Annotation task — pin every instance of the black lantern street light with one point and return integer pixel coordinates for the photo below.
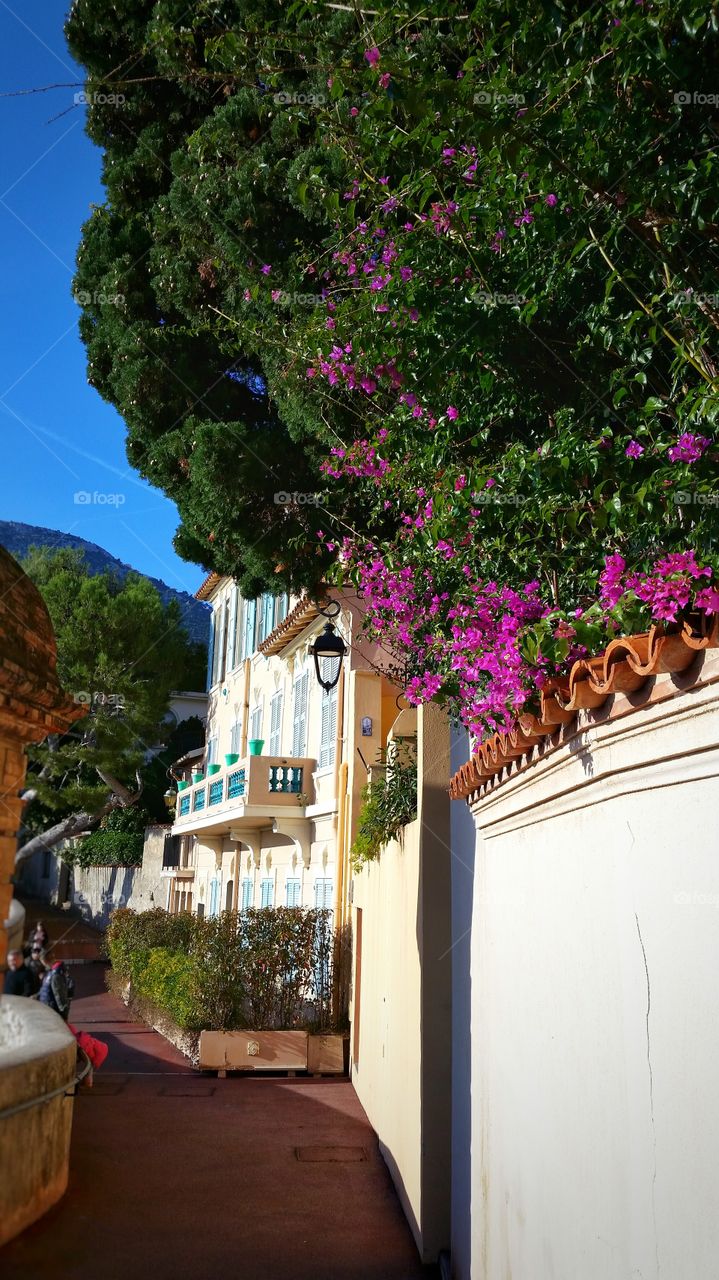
(328, 648)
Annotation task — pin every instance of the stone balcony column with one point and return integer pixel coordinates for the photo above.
(32, 704)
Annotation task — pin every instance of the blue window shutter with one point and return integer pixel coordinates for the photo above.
(275, 724)
(211, 650)
(299, 725)
(232, 631)
(293, 893)
(248, 646)
(323, 894)
(246, 894)
(266, 889)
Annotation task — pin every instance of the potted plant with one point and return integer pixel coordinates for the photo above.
(256, 745)
(197, 775)
(183, 784)
(231, 758)
(212, 769)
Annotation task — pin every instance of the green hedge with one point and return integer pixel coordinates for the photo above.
(268, 969)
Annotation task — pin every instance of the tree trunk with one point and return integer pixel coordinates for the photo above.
(76, 824)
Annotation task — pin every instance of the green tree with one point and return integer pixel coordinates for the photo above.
(121, 652)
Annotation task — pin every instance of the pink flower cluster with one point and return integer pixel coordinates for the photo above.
(667, 589)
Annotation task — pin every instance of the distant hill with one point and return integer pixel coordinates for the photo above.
(18, 538)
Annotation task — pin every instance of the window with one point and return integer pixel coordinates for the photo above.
(212, 745)
(329, 726)
(293, 893)
(281, 603)
(214, 908)
(218, 672)
(268, 615)
(238, 653)
(211, 650)
(236, 737)
(231, 662)
(299, 722)
(275, 724)
(246, 893)
(256, 723)
(267, 892)
(248, 634)
(323, 894)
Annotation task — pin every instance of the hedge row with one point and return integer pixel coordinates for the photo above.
(268, 969)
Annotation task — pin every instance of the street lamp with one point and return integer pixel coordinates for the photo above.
(170, 798)
(328, 648)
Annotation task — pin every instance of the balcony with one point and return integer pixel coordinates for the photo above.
(252, 792)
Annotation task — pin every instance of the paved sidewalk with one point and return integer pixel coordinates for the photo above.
(179, 1176)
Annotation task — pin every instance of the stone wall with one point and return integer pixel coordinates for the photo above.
(98, 891)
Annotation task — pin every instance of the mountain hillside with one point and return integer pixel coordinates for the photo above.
(17, 538)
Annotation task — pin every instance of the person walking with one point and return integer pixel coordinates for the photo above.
(18, 980)
(39, 934)
(56, 990)
(37, 966)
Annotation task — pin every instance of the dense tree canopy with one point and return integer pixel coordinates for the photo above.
(470, 253)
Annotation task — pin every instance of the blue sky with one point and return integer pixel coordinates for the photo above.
(59, 437)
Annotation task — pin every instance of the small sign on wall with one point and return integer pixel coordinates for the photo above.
(366, 726)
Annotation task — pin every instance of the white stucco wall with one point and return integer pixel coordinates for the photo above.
(595, 1037)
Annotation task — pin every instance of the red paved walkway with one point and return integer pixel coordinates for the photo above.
(185, 1177)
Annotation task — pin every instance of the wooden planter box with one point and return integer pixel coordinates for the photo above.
(271, 1051)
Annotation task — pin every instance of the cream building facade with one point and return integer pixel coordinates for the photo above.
(274, 828)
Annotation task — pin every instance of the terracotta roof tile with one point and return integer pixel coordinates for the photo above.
(211, 581)
(624, 668)
(304, 612)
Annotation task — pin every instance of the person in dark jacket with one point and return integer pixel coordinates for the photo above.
(56, 990)
(37, 966)
(18, 980)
